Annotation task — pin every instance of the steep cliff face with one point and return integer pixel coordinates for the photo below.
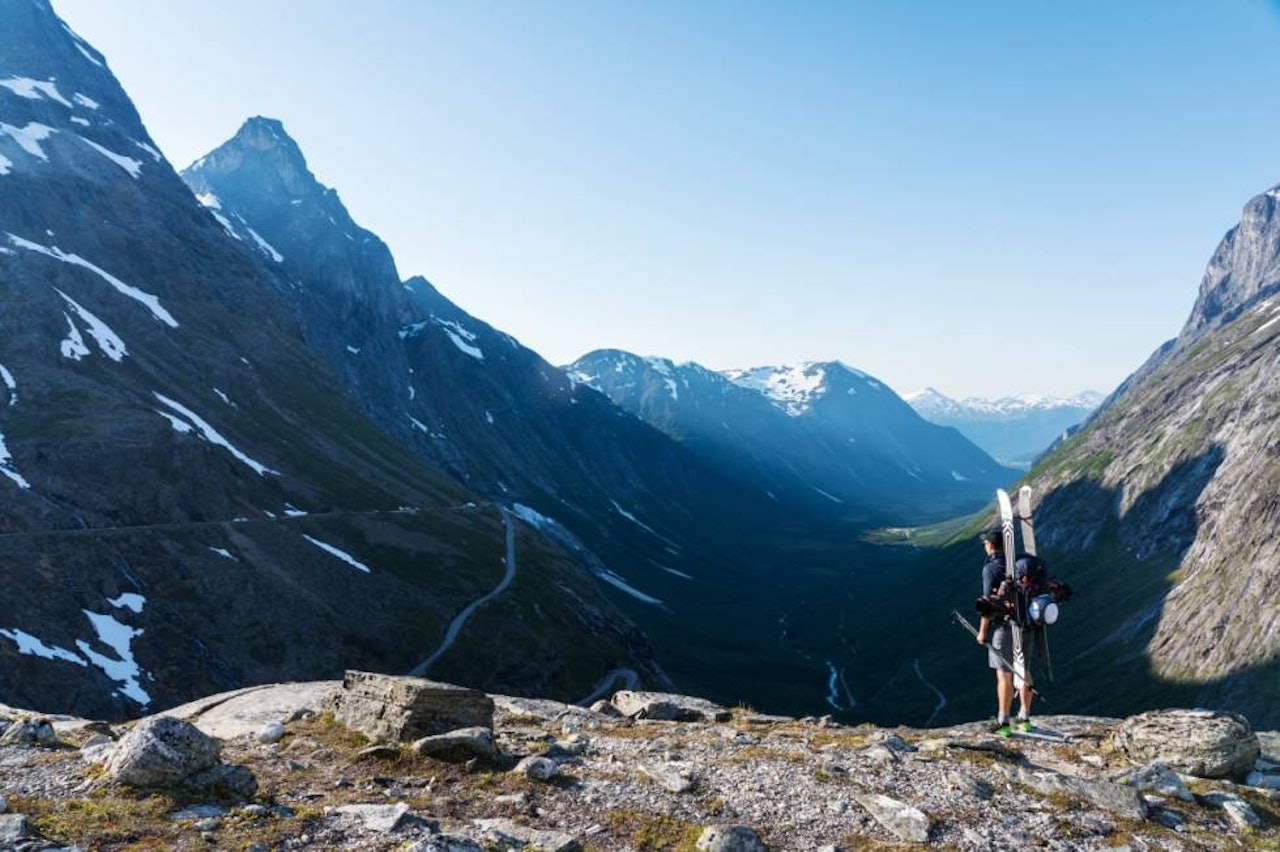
(1244, 269)
(1174, 484)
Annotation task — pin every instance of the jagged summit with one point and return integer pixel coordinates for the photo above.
(259, 188)
(263, 149)
(1244, 270)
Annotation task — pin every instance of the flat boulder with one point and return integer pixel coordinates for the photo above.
(390, 708)
(908, 823)
(462, 744)
(664, 706)
(161, 751)
(730, 838)
(1203, 743)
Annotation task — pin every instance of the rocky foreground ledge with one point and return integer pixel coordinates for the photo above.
(377, 762)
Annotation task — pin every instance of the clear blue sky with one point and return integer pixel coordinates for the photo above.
(743, 183)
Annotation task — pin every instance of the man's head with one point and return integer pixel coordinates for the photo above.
(993, 541)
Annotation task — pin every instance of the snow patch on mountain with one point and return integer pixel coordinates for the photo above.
(461, 337)
(108, 341)
(28, 139)
(630, 517)
(35, 90)
(130, 165)
(267, 248)
(340, 554)
(124, 670)
(128, 600)
(622, 585)
(663, 367)
(10, 383)
(144, 298)
(212, 435)
(31, 646)
(6, 466)
(792, 388)
(72, 346)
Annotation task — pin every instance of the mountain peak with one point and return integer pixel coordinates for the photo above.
(263, 149)
(266, 134)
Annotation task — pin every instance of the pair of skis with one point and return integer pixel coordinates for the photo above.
(1010, 557)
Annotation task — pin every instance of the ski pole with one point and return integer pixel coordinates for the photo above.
(973, 631)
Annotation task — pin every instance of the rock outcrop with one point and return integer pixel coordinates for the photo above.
(662, 706)
(1203, 743)
(401, 709)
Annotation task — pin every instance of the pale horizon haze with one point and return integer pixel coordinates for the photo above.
(988, 198)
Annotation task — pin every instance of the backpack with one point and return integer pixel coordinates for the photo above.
(1038, 593)
(1031, 575)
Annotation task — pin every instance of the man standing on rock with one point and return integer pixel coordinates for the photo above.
(1000, 652)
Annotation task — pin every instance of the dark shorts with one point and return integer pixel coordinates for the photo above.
(1000, 647)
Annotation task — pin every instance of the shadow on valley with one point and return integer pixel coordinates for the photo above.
(825, 622)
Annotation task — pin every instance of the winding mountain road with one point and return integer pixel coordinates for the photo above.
(630, 677)
(460, 619)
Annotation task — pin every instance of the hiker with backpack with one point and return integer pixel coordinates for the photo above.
(995, 630)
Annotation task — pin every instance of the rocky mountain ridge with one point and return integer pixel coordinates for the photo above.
(1171, 486)
(317, 765)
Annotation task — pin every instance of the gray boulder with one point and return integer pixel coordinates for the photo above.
(462, 744)
(965, 783)
(34, 731)
(1204, 743)
(730, 838)
(1263, 780)
(271, 732)
(161, 751)
(383, 819)
(669, 778)
(906, 822)
(1107, 795)
(1241, 814)
(13, 827)
(509, 833)
(537, 768)
(401, 709)
(1156, 778)
(667, 707)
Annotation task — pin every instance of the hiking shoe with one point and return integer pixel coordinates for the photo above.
(1001, 729)
(1024, 725)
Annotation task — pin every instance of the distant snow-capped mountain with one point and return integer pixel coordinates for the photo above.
(794, 388)
(1013, 429)
(818, 432)
(930, 403)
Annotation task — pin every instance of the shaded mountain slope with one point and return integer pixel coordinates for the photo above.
(189, 500)
(820, 434)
